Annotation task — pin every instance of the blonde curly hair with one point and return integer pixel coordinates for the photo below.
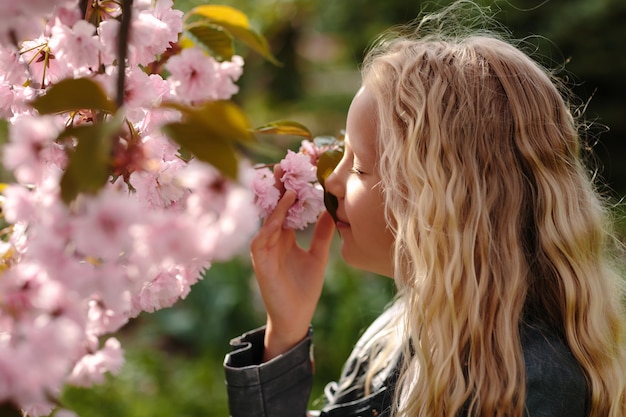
(496, 221)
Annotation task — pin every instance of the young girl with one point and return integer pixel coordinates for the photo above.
(463, 180)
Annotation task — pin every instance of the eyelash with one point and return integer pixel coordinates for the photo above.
(356, 171)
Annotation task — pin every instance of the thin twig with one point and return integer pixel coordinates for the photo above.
(83, 7)
(122, 50)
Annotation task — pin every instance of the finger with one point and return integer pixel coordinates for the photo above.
(271, 229)
(278, 174)
(277, 217)
(322, 236)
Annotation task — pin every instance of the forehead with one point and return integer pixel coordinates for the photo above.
(361, 125)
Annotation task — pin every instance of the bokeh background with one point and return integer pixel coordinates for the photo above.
(174, 356)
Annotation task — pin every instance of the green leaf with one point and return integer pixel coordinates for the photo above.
(331, 203)
(235, 22)
(88, 168)
(4, 131)
(212, 133)
(284, 127)
(325, 166)
(196, 138)
(74, 94)
(212, 37)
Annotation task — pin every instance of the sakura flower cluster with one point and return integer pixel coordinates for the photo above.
(298, 173)
(70, 275)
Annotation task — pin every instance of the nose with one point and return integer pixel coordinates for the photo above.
(333, 183)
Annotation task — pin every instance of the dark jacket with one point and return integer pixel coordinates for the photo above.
(555, 384)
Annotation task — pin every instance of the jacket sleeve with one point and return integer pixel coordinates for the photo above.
(277, 388)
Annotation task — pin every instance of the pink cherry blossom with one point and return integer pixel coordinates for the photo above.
(77, 46)
(139, 89)
(236, 225)
(6, 100)
(67, 14)
(162, 291)
(39, 409)
(157, 187)
(167, 240)
(298, 175)
(298, 170)
(307, 208)
(111, 285)
(197, 77)
(154, 30)
(318, 146)
(77, 272)
(140, 93)
(92, 367)
(62, 412)
(22, 96)
(266, 193)
(29, 139)
(43, 358)
(12, 67)
(149, 36)
(193, 75)
(25, 19)
(229, 71)
(45, 67)
(158, 147)
(18, 204)
(164, 11)
(107, 32)
(101, 230)
(102, 320)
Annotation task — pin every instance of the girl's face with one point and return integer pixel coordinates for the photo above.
(366, 240)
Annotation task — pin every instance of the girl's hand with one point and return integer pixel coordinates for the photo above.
(290, 277)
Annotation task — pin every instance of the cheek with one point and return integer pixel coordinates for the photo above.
(365, 210)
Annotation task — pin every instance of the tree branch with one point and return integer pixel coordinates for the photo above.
(122, 49)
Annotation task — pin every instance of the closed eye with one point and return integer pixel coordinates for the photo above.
(355, 170)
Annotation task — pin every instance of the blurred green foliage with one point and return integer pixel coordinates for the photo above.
(174, 356)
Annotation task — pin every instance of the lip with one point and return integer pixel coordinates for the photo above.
(341, 224)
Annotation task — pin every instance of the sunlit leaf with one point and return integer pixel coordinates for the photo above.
(212, 37)
(195, 137)
(237, 24)
(212, 133)
(88, 168)
(73, 94)
(222, 14)
(222, 120)
(186, 42)
(284, 127)
(325, 166)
